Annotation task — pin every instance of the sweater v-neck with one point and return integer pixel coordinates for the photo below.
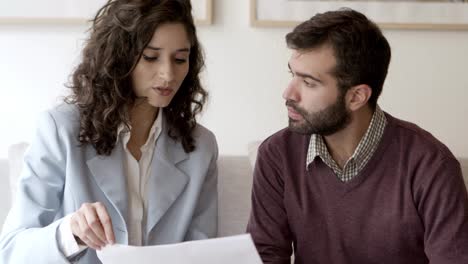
(332, 180)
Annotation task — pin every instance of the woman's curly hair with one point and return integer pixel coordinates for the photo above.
(101, 84)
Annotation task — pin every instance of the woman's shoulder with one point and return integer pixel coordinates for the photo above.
(204, 138)
(64, 110)
(65, 117)
(202, 133)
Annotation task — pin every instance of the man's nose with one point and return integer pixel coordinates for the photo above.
(291, 92)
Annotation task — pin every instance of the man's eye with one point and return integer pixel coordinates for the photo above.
(149, 58)
(309, 84)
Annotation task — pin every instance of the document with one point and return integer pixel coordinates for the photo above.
(225, 250)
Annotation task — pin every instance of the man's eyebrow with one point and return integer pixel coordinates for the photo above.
(305, 75)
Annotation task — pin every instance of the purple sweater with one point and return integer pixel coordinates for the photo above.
(408, 205)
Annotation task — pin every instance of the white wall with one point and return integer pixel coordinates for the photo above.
(35, 62)
(246, 73)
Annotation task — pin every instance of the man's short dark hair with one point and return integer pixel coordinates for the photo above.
(362, 52)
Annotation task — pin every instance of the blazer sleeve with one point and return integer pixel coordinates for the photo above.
(29, 232)
(205, 220)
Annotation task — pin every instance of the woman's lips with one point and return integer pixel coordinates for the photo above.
(163, 91)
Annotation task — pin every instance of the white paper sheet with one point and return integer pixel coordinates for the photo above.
(226, 250)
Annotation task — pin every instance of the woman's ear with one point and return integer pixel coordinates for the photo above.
(358, 96)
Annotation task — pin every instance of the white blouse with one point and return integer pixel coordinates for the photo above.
(137, 175)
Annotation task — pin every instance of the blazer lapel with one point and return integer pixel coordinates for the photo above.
(108, 171)
(166, 181)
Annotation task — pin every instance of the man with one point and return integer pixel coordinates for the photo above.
(346, 182)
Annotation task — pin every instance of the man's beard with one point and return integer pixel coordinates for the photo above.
(325, 122)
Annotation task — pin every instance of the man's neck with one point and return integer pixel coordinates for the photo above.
(342, 144)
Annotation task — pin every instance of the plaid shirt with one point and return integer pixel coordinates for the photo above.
(361, 155)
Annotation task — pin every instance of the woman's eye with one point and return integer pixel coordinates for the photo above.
(290, 72)
(149, 58)
(180, 61)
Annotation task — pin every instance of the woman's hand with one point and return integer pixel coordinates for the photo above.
(92, 225)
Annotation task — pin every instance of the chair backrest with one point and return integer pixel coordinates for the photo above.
(5, 202)
(234, 185)
(15, 164)
(464, 167)
(234, 188)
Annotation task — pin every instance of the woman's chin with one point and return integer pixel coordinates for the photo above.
(159, 103)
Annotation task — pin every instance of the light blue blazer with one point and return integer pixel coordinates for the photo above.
(59, 176)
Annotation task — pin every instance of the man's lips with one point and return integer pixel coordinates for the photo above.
(293, 114)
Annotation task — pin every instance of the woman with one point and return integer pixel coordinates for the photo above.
(123, 161)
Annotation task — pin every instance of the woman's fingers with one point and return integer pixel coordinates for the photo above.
(92, 224)
(84, 232)
(95, 224)
(106, 222)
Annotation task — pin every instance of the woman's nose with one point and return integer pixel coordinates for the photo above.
(166, 72)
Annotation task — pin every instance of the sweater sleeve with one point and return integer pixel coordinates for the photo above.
(442, 203)
(268, 223)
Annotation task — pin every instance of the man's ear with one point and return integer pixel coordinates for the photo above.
(358, 96)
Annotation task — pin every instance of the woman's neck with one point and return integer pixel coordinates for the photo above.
(142, 116)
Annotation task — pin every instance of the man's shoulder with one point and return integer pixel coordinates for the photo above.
(417, 139)
(284, 142)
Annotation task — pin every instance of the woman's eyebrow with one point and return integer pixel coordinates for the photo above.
(157, 48)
